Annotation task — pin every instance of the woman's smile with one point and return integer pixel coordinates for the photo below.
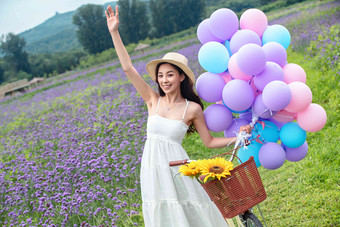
(166, 86)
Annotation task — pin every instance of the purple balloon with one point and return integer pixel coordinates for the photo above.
(209, 87)
(260, 110)
(204, 34)
(218, 117)
(272, 71)
(223, 23)
(275, 52)
(296, 154)
(238, 95)
(251, 59)
(235, 127)
(276, 95)
(272, 155)
(246, 116)
(243, 37)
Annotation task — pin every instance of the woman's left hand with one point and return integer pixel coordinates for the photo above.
(112, 19)
(246, 128)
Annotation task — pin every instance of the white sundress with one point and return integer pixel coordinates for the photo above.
(170, 201)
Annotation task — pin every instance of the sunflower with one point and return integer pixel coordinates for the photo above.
(216, 168)
(191, 169)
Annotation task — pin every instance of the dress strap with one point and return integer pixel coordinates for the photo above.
(185, 111)
(158, 105)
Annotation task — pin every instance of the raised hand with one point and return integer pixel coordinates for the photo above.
(112, 19)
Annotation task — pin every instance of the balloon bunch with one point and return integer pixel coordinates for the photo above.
(249, 81)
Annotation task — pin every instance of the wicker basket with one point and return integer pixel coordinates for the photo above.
(239, 192)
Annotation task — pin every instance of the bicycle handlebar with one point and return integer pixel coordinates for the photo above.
(178, 162)
(242, 138)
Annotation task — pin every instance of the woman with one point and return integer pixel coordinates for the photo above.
(176, 110)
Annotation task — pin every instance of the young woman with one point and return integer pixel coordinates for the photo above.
(174, 111)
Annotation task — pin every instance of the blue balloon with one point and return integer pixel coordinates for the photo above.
(292, 135)
(269, 133)
(276, 33)
(251, 150)
(214, 57)
(227, 45)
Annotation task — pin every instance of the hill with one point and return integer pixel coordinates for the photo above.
(56, 34)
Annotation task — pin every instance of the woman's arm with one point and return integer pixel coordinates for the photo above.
(142, 87)
(207, 138)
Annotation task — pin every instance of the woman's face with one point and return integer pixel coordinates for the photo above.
(169, 78)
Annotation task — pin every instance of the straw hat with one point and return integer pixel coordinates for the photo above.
(174, 58)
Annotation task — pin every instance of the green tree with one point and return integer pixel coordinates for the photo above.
(170, 16)
(2, 75)
(58, 62)
(162, 20)
(92, 30)
(134, 22)
(15, 57)
(188, 13)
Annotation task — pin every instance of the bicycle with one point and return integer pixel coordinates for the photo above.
(236, 195)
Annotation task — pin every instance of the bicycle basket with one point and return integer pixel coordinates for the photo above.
(239, 192)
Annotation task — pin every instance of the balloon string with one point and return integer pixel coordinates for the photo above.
(270, 111)
(242, 140)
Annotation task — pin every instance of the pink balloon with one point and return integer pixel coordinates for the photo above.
(284, 116)
(277, 123)
(255, 89)
(301, 97)
(313, 118)
(226, 76)
(254, 19)
(223, 23)
(235, 71)
(293, 72)
(204, 34)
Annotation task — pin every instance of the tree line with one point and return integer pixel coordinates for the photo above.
(138, 20)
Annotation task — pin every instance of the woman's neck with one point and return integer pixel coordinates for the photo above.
(173, 98)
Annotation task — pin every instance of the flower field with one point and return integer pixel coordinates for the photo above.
(70, 150)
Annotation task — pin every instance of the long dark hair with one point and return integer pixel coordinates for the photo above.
(187, 90)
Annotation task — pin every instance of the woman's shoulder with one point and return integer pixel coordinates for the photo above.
(194, 109)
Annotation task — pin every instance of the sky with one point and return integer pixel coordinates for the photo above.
(17, 16)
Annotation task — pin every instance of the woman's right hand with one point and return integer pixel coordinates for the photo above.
(112, 19)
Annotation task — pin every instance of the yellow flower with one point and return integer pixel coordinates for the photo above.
(216, 168)
(192, 169)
